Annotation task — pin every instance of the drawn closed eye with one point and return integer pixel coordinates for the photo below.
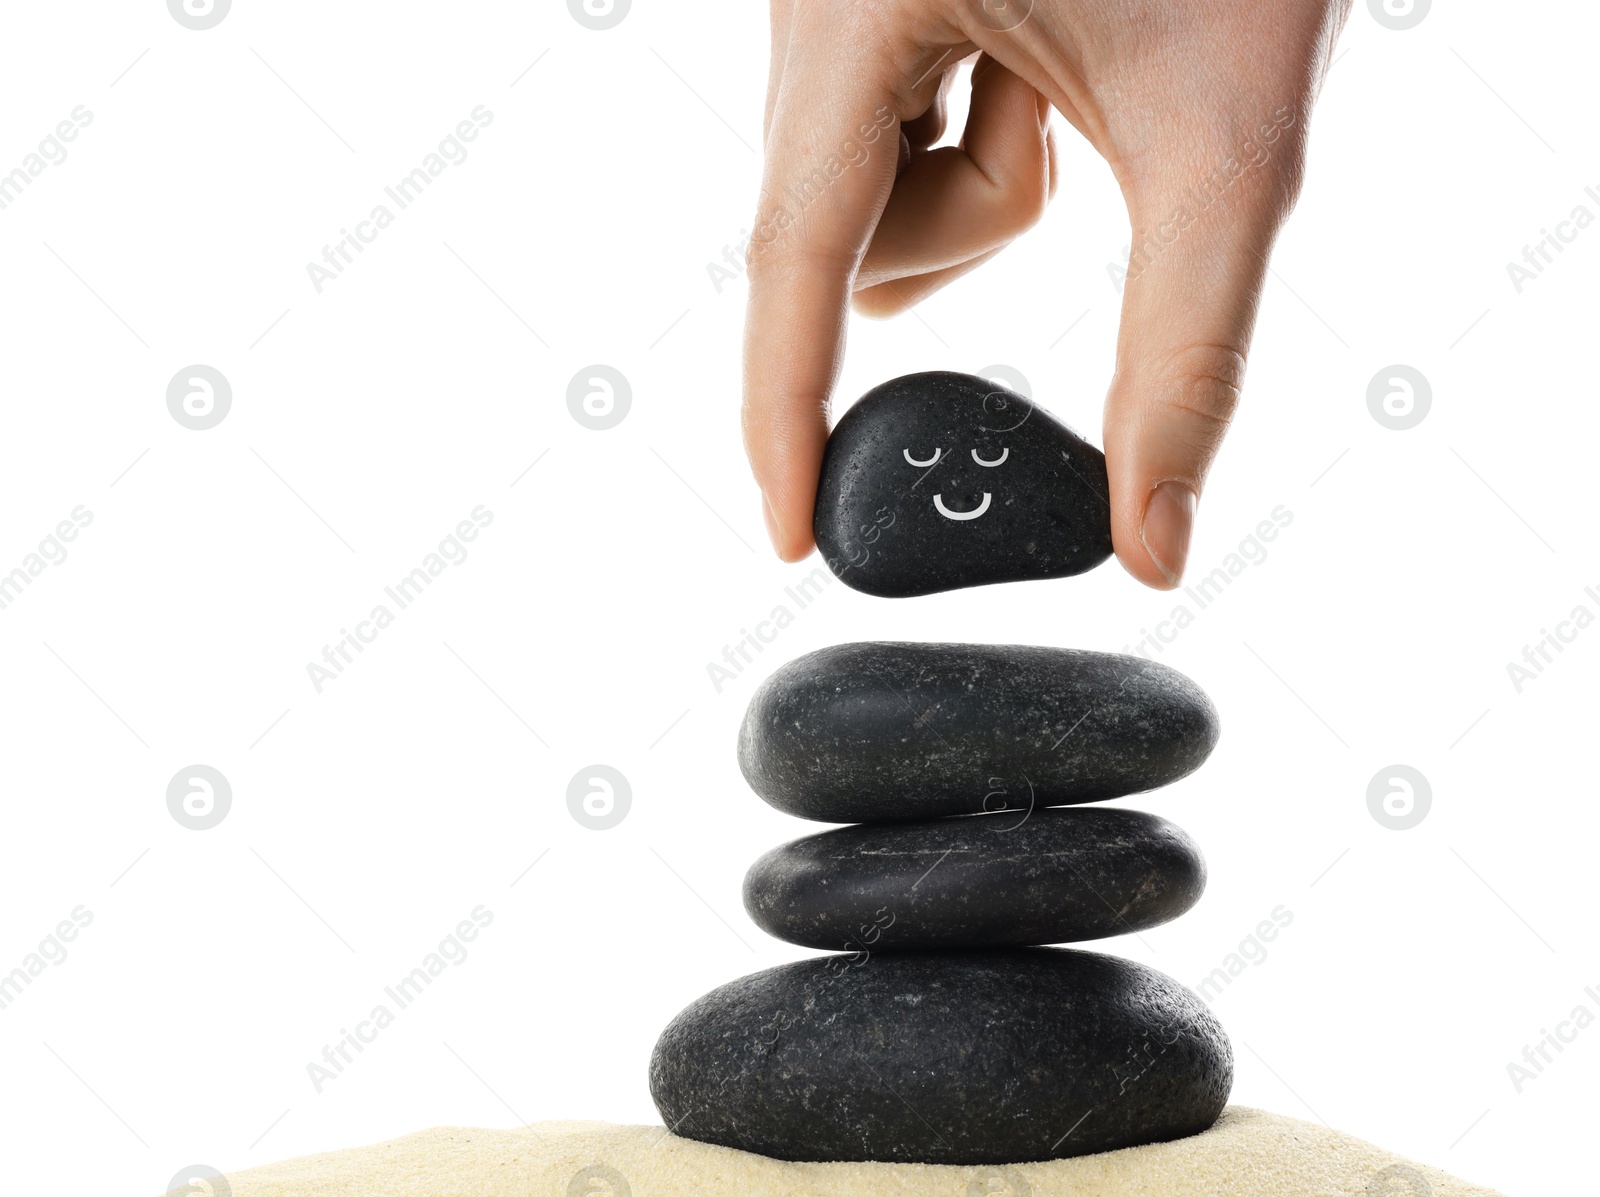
(1001, 460)
(937, 453)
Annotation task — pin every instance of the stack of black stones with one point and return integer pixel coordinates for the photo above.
(942, 1030)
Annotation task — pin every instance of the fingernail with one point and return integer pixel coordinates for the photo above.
(1168, 520)
(774, 529)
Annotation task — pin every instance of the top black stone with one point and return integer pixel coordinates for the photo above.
(881, 732)
(940, 480)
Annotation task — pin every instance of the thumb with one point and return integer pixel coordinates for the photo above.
(1194, 281)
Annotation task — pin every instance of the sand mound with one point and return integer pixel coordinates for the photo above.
(1248, 1153)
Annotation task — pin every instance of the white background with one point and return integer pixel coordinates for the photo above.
(369, 419)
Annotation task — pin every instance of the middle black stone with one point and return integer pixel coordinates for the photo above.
(1052, 876)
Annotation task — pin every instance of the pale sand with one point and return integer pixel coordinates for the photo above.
(1248, 1153)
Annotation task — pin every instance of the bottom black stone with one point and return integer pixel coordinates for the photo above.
(974, 1057)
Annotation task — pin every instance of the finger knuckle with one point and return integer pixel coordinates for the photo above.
(1283, 183)
(878, 303)
(1276, 169)
(1023, 200)
(787, 255)
(1206, 382)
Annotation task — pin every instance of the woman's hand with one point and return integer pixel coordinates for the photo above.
(1201, 107)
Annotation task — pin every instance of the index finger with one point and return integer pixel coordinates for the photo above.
(830, 164)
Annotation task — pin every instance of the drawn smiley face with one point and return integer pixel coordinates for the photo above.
(939, 480)
(951, 513)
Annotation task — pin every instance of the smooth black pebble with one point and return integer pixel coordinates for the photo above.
(985, 1057)
(940, 480)
(876, 732)
(1048, 876)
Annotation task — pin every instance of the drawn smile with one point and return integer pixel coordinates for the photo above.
(938, 502)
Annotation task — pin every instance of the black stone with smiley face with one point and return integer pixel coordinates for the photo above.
(940, 480)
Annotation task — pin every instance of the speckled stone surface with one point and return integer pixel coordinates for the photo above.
(1058, 875)
(940, 480)
(873, 732)
(984, 1057)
